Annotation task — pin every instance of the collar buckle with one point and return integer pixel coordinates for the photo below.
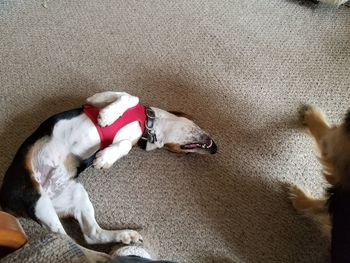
(149, 134)
(150, 113)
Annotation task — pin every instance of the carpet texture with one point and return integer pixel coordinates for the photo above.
(241, 68)
(48, 248)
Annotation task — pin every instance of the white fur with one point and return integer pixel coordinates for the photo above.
(47, 215)
(53, 161)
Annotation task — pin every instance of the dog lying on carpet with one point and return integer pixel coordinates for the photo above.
(40, 182)
(332, 211)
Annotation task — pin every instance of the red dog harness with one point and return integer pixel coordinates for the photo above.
(107, 134)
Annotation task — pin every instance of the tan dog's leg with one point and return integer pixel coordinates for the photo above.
(311, 207)
(315, 120)
(318, 127)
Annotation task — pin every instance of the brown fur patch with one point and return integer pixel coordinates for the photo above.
(64, 215)
(181, 114)
(173, 147)
(71, 164)
(29, 167)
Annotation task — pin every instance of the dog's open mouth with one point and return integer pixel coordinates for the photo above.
(191, 146)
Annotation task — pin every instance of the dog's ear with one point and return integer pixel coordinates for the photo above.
(181, 114)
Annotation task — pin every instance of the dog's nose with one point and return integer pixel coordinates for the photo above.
(210, 145)
(213, 148)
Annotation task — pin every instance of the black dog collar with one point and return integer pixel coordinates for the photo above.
(149, 134)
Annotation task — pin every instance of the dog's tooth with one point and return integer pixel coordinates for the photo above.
(211, 143)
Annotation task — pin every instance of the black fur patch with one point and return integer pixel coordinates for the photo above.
(83, 164)
(339, 208)
(347, 122)
(18, 194)
(142, 143)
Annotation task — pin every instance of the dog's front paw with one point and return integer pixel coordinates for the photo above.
(129, 236)
(107, 116)
(304, 110)
(103, 160)
(310, 115)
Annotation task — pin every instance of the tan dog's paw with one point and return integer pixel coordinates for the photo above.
(311, 116)
(305, 112)
(298, 197)
(302, 112)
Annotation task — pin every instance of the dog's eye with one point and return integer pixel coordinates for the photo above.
(181, 114)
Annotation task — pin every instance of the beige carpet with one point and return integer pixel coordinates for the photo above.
(241, 68)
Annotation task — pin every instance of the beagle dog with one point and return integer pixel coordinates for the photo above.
(41, 180)
(332, 211)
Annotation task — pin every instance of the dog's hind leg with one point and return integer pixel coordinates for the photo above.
(316, 209)
(74, 201)
(102, 99)
(112, 105)
(46, 214)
